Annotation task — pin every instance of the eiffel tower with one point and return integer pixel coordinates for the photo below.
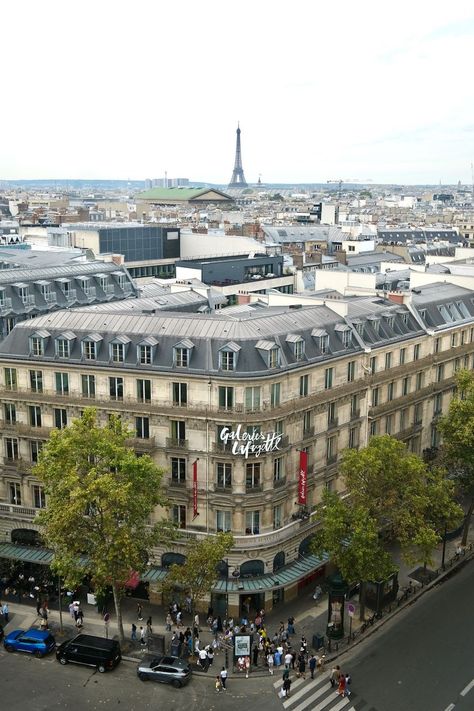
(238, 178)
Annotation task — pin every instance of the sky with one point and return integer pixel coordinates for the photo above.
(366, 91)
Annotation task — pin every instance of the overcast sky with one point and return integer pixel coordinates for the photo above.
(353, 90)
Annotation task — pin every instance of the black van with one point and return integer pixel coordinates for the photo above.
(96, 652)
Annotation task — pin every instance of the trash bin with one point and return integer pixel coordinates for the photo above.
(318, 641)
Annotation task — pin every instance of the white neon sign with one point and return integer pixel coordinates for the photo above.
(252, 443)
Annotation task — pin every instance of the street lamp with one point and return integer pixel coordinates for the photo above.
(226, 608)
(444, 545)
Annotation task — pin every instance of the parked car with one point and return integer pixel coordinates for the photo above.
(167, 670)
(33, 641)
(103, 654)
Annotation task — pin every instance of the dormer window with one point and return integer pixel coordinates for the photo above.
(182, 353)
(118, 349)
(405, 317)
(120, 278)
(297, 345)
(359, 327)
(228, 356)
(146, 350)
(63, 344)
(375, 323)
(38, 342)
(90, 346)
(274, 358)
(24, 293)
(345, 334)
(270, 353)
(390, 319)
(322, 339)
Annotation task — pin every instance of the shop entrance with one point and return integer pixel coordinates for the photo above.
(251, 604)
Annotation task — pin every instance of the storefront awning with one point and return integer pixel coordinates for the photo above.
(28, 554)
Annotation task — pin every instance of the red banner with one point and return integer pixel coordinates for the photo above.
(303, 478)
(195, 489)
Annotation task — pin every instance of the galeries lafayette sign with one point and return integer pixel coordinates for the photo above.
(250, 444)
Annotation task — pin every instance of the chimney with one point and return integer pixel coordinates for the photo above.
(243, 297)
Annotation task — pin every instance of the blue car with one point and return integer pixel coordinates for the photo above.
(32, 641)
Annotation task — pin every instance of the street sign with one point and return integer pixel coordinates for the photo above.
(351, 609)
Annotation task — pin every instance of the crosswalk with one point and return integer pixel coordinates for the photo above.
(314, 694)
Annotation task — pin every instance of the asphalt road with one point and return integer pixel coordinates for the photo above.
(423, 659)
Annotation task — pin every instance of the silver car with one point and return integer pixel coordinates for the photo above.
(167, 670)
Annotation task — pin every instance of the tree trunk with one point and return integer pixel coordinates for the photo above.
(118, 612)
(362, 590)
(467, 523)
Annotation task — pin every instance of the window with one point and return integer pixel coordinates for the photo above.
(88, 385)
(419, 381)
(328, 378)
(39, 498)
(304, 385)
(178, 513)
(35, 449)
(252, 398)
(351, 366)
(277, 516)
(374, 428)
(346, 339)
(403, 352)
(62, 348)
(145, 354)
(457, 364)
(279, 427)
(416, 351)
(9, 410)
(226, 397)
(10, 378)
(463, 337)
(36, 381)
(224, 475)
(355, 406)
(375, 397)
(178, 470)
(227, 360)
(181, 357)
(89, 350)
(440, 373)
(389, 424)
(403, 419)
(275, 391)
(437, 345)
(388, 360)
(332, 419)
(35, 415)
(435, 437)
(117, 352)
(353, 437)
(252, 475)
(223, 521)
(143, 390)
(274, 358)
(142, 427)
(324, 344)
(299, 350)
(418, 418)
(438, 404)
(37, 346)
(373, 364)
(180, 394)
(307, 424)
(15, 493)
(178, 430)
(62, 383)
(454, 340)
(390, 391)
(331, 449)
(278, 474)
(11, 448)
(252, 522)
(116, 388)
(60, 418)
(406, 386)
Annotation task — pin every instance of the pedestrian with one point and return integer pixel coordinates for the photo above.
(202, 659)
(149, 628)
(218, 684)
(255, 655)
(179, 619)
(287, 686)
(223, 675)
(277, 658)
(341, 689)
(38, 605)
(134, 633)
(210, 656)
(139, 612)
(196, 621)
(168, 622)
(334, 675)
(312, 665)
(302, 666)
(142, 636)
(291, 625)
(288, 658)
(270, 662)
(347, 682)
(286, 673)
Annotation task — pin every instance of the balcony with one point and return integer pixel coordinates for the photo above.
(142, 444)
(16, 463)
(173, 443)
(308, 432)
(279, 483)
(332, 424)
(28, 300)
(90, 293)
(70, 295)
(254, 489)
(331, 459)
(180, 482)
(23, 513)
(355, 414)
(50, 297)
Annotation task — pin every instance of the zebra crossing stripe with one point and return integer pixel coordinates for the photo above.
(302, 692)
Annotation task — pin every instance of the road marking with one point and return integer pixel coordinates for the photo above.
(299, 694)
(450, 707)
(467, 688)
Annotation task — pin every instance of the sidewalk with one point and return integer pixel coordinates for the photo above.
(311, 617)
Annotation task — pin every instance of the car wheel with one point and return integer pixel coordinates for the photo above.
(176, 683)
(101, 669)
(62, 660)
(9, 648)
(38, 654)
(142, 676)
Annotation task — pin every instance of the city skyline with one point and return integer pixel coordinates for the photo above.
(321, 94)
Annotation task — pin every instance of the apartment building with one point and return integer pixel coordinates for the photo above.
(246, 413)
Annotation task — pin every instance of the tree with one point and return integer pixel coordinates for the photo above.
(457, 430)
(198, 575)
(350, 536)
(100, 496)
(406, 499)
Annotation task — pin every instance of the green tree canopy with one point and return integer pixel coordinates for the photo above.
(457, 430)
(99, 499)
(198, 575)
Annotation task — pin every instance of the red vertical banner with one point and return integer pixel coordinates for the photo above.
(303, 478)
(195, 489)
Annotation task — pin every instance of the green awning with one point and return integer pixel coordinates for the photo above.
(28, 554)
